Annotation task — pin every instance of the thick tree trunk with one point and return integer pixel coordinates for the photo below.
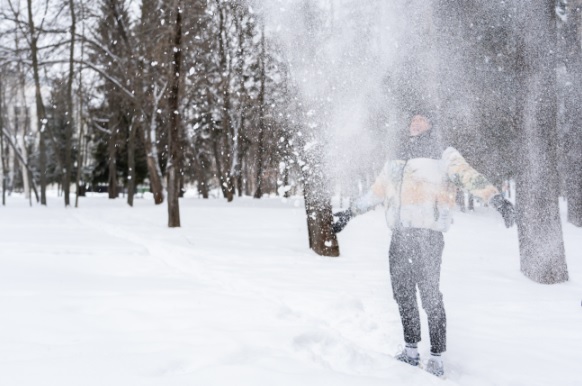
(573, 142)
(174, 137)
(318, 210)
(574, 179)
(541, 242)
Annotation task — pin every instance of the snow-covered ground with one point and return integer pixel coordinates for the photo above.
(107, 295)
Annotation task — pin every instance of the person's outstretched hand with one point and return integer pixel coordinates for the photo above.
(505, 207)
(342, 220)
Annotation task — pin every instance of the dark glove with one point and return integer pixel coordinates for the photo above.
(342, 220)
(504, 207)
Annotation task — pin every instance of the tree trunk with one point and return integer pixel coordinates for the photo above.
(40, 110)
(149, 137)
(541, 243)
(239, 146)
(287, 193)
(226, 180)
(239, 159)
(155, 179)
(174, 137)
(20, 158)
(202, 184)
(260, 143)
(26, 176)
(2, 149)
(21, 144)
(69, 128)
(219, 169)
(131, 162)
(4, 171)
(260, 155)
(79, 162)
(573, 142)
(112, 162)
(81, 122)
(318, 210)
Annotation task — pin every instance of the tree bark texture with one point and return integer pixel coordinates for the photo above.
(573, 96)
(174, 137)
(322, 239)
(541, 242)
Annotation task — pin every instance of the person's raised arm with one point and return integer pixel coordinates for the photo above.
(368, 201)
(464, 176)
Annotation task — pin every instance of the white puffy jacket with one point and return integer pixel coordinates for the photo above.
(420, 192)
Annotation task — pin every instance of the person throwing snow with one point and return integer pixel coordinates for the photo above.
(418, 190)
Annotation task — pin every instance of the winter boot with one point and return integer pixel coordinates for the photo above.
(409, 355)
(435, 365)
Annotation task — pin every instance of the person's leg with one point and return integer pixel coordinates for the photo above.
(404, 285)
(430, 294)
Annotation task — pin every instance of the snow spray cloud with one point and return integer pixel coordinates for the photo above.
(360, 68)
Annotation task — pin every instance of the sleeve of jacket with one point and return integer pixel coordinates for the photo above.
(375, 195)
(465, 177)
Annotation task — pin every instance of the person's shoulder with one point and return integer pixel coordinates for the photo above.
(450, 153)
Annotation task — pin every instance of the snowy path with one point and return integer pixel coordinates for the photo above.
(106, 295)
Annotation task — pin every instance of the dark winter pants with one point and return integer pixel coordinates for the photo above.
(415, 260)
